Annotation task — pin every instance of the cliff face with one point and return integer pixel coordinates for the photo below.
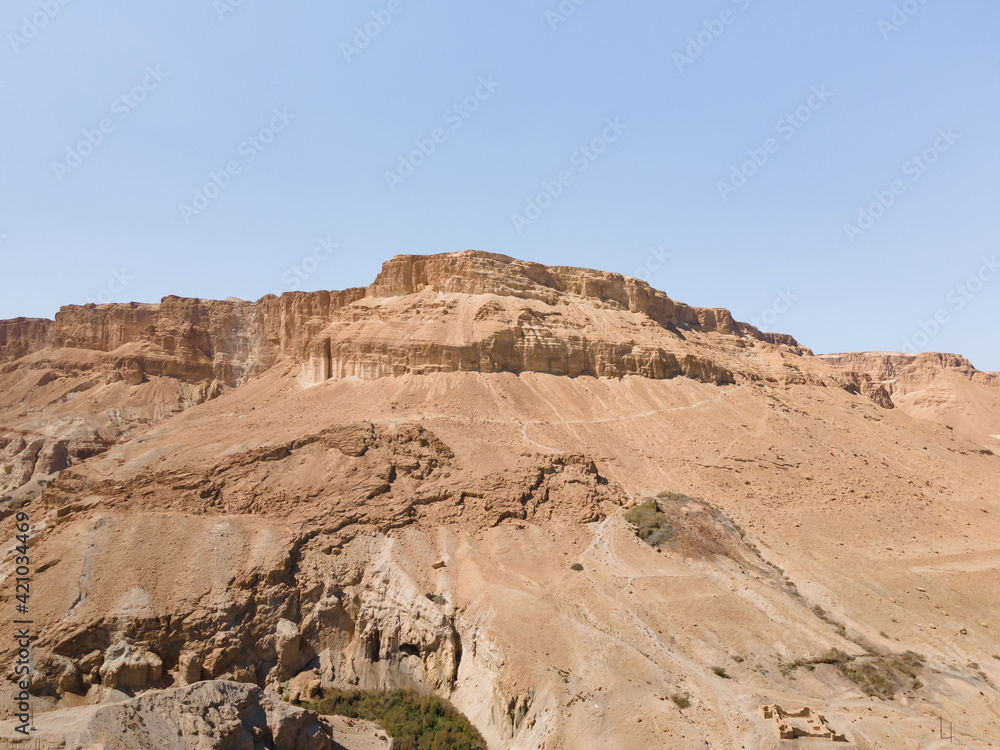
(192, 339)
(64, 381)
(903, 372)
(942, 388)
(424, 483)
(489, 273)
(21, 336)
(196, 340)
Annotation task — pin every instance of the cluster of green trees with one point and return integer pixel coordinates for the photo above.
(653, 527)
(414, 721)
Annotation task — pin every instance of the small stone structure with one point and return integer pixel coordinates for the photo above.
(793, 725)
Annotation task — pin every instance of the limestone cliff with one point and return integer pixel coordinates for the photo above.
(426, 483)
(460, 312)
(196, 340)
(942, 388)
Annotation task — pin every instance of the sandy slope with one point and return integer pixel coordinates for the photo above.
(342, 504)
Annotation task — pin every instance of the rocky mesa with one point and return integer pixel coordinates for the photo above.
(442, 481)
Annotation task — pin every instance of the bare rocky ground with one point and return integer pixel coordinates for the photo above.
(388, 486)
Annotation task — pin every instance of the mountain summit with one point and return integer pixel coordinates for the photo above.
(587, 514)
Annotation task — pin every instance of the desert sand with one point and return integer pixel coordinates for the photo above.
(388, 486)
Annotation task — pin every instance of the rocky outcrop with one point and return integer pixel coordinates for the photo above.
(402, 637)
(515, 350)
(933, 387)
(192, 340)
(905, 372)
(226, 342)
(460, 533)
(129, 666)
(22, 459)
(287, 647)
(335, 605)
(206, 716)
(197, 340)
(21, 336)
(477, 273)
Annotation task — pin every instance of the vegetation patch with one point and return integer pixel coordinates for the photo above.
(576, 566)
(822, 614)
(681, 700)
(878, 675)
(874, 679)
(651, 523)
(721, 672)
(414, 721)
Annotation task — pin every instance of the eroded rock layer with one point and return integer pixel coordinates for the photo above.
(432, 483)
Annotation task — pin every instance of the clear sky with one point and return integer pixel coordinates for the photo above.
(825, 169)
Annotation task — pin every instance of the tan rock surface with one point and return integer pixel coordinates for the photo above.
(206, 716)
(943, 388)
(498, 417)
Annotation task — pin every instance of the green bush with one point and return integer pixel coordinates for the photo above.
(576, 566)
(721, 672)
(651, 523)
(681, 700)
(414, 721)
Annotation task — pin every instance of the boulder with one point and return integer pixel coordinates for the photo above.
(189, 668)
(128, 666)
(327, 667)
(209, 715)
(305, 686)
(296, 729)
(286, 644)
(52, 457)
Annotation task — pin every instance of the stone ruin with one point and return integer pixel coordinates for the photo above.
(793, 725)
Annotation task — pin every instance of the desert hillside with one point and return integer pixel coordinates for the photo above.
(428, 482)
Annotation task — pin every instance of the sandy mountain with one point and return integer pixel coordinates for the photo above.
(389, 487)
(944, 388)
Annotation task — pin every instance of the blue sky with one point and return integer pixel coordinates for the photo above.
(824, 169)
